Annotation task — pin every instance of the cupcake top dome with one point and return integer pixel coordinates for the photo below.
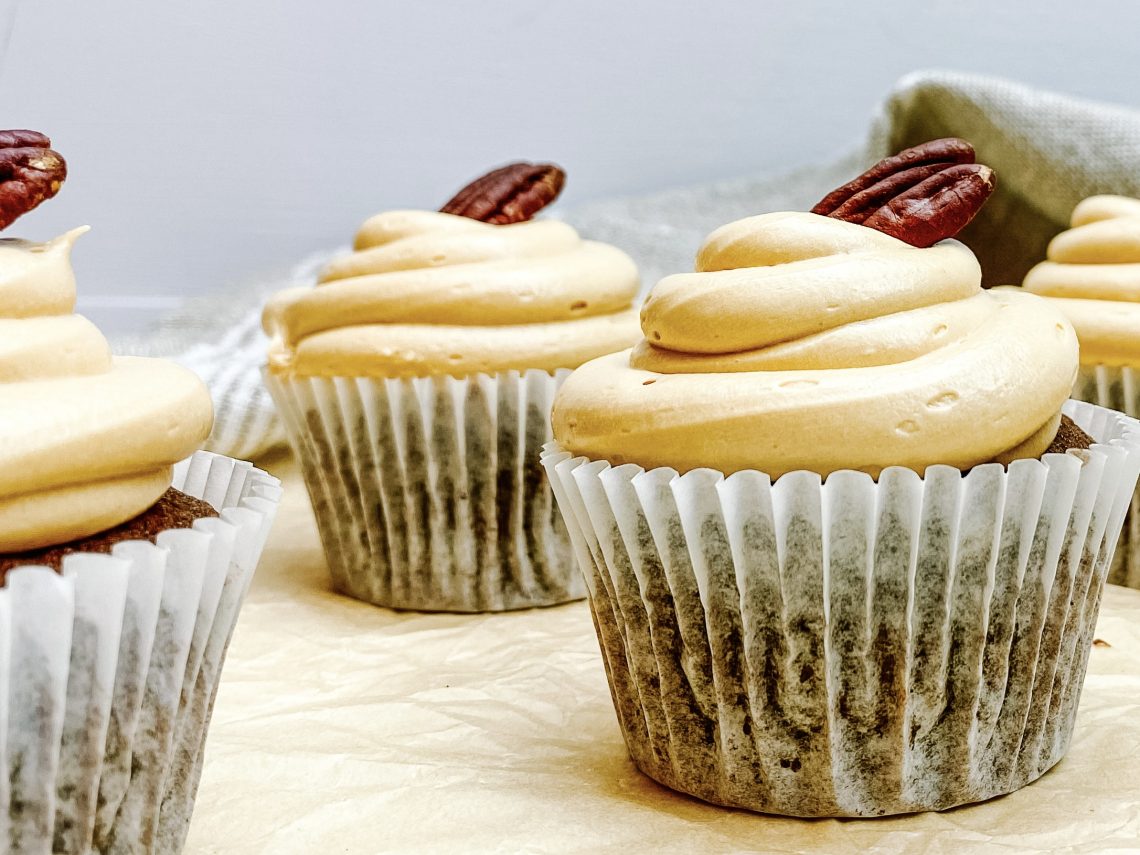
(812, 342)
(1092, 273)
(475, 290)
(87, 440)
(805, 342)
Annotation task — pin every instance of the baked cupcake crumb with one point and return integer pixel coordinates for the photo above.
(1069, 436)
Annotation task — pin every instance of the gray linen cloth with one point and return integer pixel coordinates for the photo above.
(1049, 152)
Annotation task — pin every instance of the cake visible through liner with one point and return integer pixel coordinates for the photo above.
(850, 647)
(429, 493)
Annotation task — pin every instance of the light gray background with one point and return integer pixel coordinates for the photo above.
(212, 140)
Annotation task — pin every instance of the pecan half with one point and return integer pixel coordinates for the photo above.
(921, 195)
(30, 172)
(509, 194)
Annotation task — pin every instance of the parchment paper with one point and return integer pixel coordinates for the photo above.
(344, 728)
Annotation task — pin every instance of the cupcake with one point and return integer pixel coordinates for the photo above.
(415, 382)
(124, 552)
(1093, 275)
(844, 535)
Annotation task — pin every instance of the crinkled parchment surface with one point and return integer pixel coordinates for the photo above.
(345, 728)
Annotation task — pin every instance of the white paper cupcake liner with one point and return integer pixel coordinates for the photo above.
(108, 673)
(1118, 388)
(851, 648)
(428, 492)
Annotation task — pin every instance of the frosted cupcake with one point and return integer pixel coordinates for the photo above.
(1093, 275)
(841, 558)
(415, 381)
(124, 554)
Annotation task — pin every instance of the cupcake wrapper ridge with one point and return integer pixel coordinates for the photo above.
(851, 647)
(1117, 388)
(428, 492)
(108, 673)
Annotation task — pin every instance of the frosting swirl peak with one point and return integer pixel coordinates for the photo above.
(805, 342)
(87, 440)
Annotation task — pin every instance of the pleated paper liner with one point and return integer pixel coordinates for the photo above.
(851, 648)
(429, 493)
(1117, 388)
(108, 673)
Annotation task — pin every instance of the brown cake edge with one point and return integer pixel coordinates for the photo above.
(1069, 436)
(174, 509)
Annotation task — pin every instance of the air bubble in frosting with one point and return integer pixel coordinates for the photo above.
(943, 400)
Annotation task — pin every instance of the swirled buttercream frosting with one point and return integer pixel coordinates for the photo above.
(805, 342)
(426, 293)
(87, 439)
(1092, 274)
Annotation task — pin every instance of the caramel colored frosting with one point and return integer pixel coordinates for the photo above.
(805, 342)
(1093, 276)
(426, 293)
(87, 440)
